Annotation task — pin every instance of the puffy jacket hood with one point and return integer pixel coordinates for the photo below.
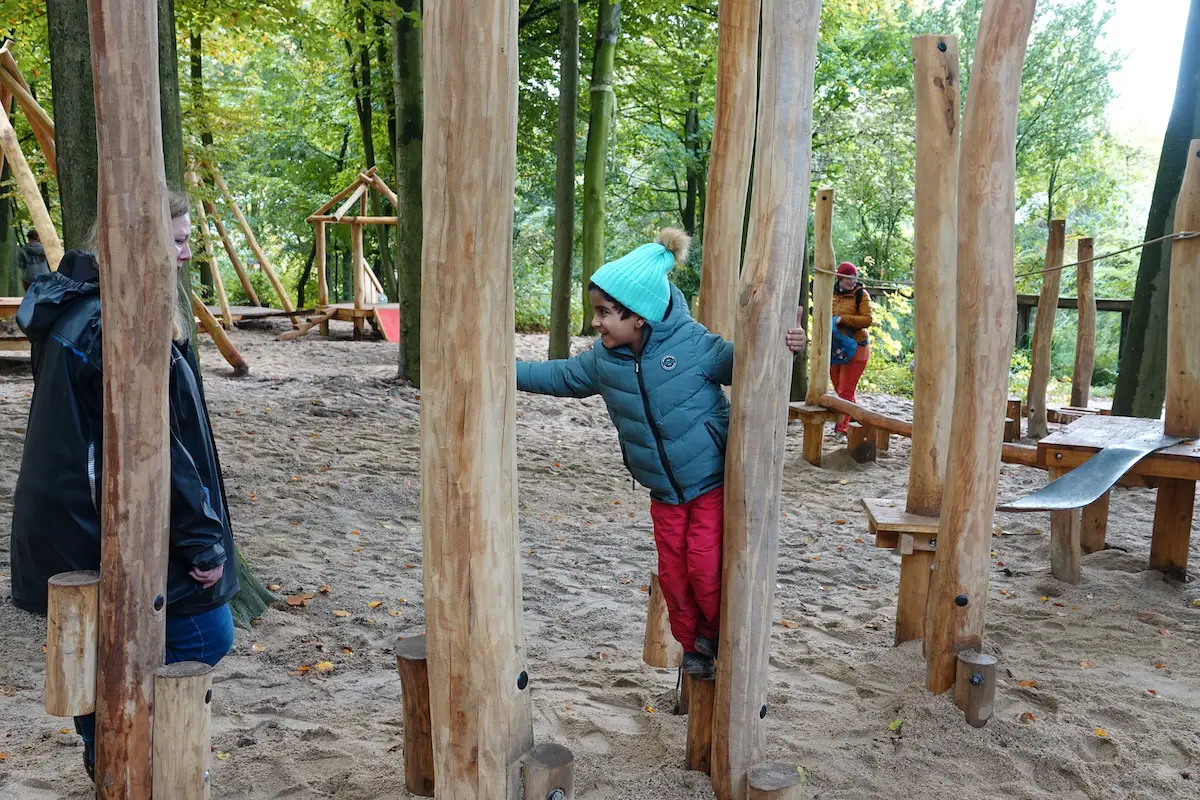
(50, 295)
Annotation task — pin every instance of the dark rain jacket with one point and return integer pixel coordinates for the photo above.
(56, 517)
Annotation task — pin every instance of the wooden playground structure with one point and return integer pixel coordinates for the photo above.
(468, 724)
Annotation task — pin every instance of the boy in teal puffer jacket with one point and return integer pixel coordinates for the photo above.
(660, 373)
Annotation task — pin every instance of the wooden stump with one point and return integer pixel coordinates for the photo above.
(182, 713)
(700, 725)
(1094, 527)
(72, 607)
(975, 686)
(986, 318)
(776, 781)
(814, 436)
(1065, 531)
(860, 441)
(1172, 526)
(1014, 412)
(549, 772)
(660, 648)
(418, 728)
(1043, 330)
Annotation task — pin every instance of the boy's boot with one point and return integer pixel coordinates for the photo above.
(699, 666)
(706, 646)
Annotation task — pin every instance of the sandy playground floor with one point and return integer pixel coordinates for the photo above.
(320, 448)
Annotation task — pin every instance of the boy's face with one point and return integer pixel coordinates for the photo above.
(614, 331)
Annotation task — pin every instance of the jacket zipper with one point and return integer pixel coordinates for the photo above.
(662, 450)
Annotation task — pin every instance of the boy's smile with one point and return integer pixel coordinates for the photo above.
(614, 330)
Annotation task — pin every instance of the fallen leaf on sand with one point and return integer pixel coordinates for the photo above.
(355, 533)
(1196, 603)
(858, 540)
(1027, 684)
(3, 756)
(1163, 631)
(816, 558)
(1044, 599)
(340, 613)
(787, 623)
(896, 725)
(650, 709)
(1087, 664)
(645, 589)
(258, 648)
(626, 581)
(839, 522)
(393, 612)
(274, 587)
(295, 477)
(303, 668)
(65, 730)
(1160, 665)
(1146, 615)
(324, 666)
(222, 756)
(1028, 717)
(300, 600)
(1152, 691)
(1101, 732)
(357, 549)
(375, 604)
(325, 590)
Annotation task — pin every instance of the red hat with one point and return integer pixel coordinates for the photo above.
(846, 268)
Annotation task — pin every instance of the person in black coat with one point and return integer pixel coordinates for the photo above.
(56, 506)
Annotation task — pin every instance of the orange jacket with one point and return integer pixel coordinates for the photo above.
(854, 308)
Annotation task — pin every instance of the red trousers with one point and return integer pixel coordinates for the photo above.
(845, 379)
(689, 564)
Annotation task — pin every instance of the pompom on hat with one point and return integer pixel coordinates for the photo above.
(638, 280)
(846, 268)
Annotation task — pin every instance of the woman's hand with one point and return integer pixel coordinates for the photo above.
(796, 337)
(207, 577)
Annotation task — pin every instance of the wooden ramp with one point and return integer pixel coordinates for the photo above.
(241, 313)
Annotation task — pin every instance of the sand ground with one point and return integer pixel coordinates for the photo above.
(320, 448)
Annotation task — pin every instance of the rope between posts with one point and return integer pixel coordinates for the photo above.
(1171, 236)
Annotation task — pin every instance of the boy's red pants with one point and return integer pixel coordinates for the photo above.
(689, 564)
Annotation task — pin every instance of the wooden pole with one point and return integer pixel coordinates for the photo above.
(821, 343)
(1065, 534)
(354, 197)
(1176, 498)
(729, 162)
(321, 320)
(659, 648)
(137, 294)
(986, 316)
(776, 782)
(320, 259)
(1043, 330)
(549, 772)
(231, 251)
(936, 82)
(72, 608)
(39, 121)
(1085, 340)
(479, 698)
(220, 338)
(263, 261)
(418, 738)
(29, 191)
(700, 725)
(975, 686)
(213, 269)
(182, 715)
(768, 298)
(356, 267)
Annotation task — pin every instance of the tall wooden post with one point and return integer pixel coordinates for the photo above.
(137, 294)
(1176, 498)
(935, 82)
(1043, 330)
(729, 162)
(770, 288)
(356, 267)
(821, 343)
(322, 271)
(986, 312)
(478, 684)
(1085, 339)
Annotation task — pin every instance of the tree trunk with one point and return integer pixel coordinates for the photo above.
(9, 282)
(406, 81)
(691, 143)
(564, 181)
(74, 117)
(608, 28)
(172, 136)
(196, 75)
(1141, 383)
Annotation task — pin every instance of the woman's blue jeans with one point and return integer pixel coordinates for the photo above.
(203, 637)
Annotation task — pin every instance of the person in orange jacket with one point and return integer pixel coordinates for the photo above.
(852, 316)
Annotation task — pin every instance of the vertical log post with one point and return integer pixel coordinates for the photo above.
(322, 271)
(776, 782)
(418, 736)
(975, 686)
(137, 294)
(182, 715)
(935, 81)
(251, 240)
(27, 183)
(820, 344)
(234, 259)
(356, 267)
(1065, 531)
(1094, 525)
(767, 301)
(549, 773)
(1085, 339)
(659, 648)
(1043, 330)
(700, 724)
(729, 162)
(72, 607)
(478, 684)
(1176, 498)
(986, 314)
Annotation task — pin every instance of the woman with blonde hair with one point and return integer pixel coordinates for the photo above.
(56, 505)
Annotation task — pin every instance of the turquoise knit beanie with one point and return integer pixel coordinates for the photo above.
(638, 280)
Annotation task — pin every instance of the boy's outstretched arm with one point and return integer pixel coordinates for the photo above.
(721, 352)
(573, 377)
